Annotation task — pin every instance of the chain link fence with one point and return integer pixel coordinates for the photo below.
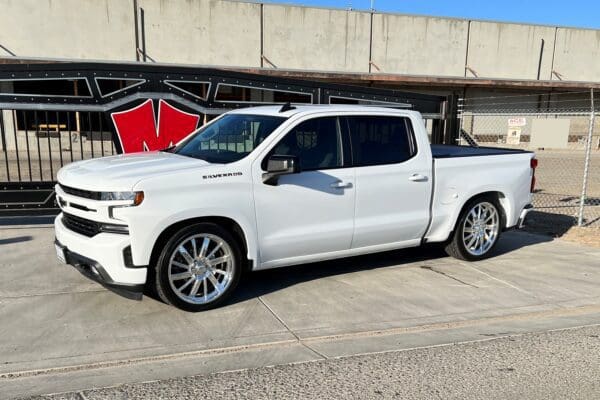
(564, 132)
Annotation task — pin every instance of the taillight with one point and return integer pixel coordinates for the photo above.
(533, 164)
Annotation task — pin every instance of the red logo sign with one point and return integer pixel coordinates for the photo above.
(138, 130)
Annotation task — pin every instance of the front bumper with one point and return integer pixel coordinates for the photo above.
(96, 272)
(526, 210)
(100, 257)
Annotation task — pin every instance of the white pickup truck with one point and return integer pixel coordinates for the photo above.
(274, 186)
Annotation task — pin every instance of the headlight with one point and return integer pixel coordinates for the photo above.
(136, 197)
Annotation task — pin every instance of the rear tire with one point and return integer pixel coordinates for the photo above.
(199, 267)
(477, 230)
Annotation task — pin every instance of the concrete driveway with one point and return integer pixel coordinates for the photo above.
(61, 332)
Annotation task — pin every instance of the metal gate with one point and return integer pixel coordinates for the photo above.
(54, 114)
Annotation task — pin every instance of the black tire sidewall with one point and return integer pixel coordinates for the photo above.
(163, 286)
(461, 224)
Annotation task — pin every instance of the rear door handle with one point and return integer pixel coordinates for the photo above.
(418, 178)
(341, 185)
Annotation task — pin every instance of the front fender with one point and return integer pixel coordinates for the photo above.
(144, 237)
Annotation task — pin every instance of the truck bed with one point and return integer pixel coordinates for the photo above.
(450, 151)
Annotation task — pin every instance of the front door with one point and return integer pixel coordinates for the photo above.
(311, 212)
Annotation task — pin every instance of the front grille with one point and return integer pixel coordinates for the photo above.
(86, 194)
(81, 225)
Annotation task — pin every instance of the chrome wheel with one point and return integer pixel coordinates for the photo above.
(201, 268)
(481, 228)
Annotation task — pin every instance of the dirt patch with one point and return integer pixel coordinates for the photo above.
(564, 227)
(587, 236)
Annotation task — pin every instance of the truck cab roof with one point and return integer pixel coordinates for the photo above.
(275, 110)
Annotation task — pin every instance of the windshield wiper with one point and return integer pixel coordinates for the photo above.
(168, 149)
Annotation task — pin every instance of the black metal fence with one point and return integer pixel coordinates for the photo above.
(55, 114)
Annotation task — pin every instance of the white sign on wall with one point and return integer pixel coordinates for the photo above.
(513, 135)
(518, 121)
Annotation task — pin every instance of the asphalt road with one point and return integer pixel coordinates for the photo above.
(553, 365)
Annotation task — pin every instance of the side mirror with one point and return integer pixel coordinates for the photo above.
(278, 165)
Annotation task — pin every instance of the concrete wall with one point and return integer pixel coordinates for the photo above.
(220, 32)
(317, 39)
(92, 29)
(419, 45)
(202, 32)
(509, 50)
(577, 55)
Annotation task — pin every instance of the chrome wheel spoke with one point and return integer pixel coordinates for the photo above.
(473, 240)
(214, 282)
(185, 254)
(220, 272)
(217, 261)
(180, 265)
(213, 251)
(473, 214)
(195, 288)
(181, 275)
(186, 284)
(194, 250)
(204, 247)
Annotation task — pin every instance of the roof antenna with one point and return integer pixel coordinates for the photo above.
(287, 107)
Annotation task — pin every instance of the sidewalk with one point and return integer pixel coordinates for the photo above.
(61, 332)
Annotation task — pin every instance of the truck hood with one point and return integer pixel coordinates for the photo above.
(122, 172)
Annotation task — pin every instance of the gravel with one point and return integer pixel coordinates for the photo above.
(554, 365)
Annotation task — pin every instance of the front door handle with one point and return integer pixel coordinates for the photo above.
(418, 178)
(341, 185)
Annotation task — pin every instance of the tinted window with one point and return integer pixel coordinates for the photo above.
(381, 140)
(229, 139)
(317, 142)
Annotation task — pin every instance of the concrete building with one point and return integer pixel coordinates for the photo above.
(253, 34)
(467, 58)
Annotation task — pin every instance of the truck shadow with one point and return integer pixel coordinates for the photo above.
(260, 283)
(16, 239)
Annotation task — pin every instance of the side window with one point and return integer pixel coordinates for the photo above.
(317, 142)
(381, 140)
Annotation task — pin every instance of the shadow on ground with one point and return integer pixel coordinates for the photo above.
(260, 283)
(548, 223)
(16, 239)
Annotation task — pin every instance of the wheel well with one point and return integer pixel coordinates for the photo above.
(224, 222)
(500, 198)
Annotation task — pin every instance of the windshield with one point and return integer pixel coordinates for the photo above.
(230, 138)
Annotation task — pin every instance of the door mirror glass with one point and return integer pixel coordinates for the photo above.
(278, 165)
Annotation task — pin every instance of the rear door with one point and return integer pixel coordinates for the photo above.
(311, 212)
(393, 180)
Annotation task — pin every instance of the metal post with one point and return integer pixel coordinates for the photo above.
(143, 26)
(137, 29)
(371, 40)
(452, 126)
(588, 149)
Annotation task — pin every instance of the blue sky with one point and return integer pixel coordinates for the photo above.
(579, 13)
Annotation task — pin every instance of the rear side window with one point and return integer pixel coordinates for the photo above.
(381, 140)
(317, 142)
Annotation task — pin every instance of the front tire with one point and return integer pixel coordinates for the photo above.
(477, 230)
(199, 267)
